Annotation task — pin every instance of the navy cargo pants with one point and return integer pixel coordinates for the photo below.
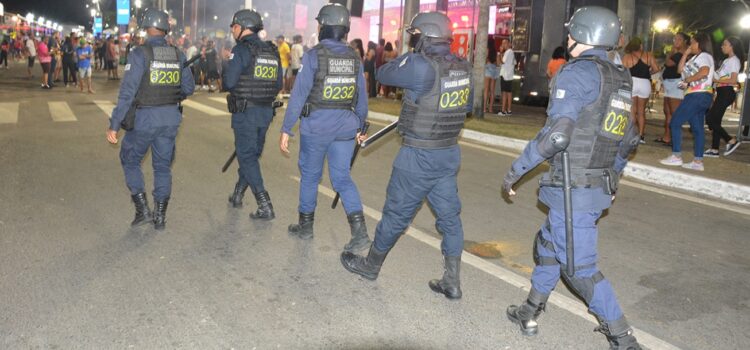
(135, 144)
(250, 129)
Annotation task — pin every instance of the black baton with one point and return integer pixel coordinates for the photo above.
(357, 146)
(568, 205)
(382, 132)
(229, 162)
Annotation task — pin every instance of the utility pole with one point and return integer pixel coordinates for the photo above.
(480, 57)
(411, 8)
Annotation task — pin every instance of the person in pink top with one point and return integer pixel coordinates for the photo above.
(44, 59)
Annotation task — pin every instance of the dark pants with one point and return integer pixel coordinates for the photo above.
(725, 96)
(550, 247)
(51, 76)
(372, 86)
(405, 194)
(312, 155)
(4, 58)
(135, 144)
(69, 67)
(250, 129)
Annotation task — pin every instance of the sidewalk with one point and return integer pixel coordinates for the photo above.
(725, 178)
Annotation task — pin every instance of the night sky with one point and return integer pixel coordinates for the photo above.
(62, 11)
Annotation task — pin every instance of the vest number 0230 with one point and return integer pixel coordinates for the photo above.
(456, 98)
(160, 77)
(337, 93)
(615, 123)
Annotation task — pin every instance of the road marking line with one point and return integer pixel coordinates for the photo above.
(10, 116)
(61, 112)
(105, 106)
(569, 304)
(739, 209)
(218, 99)
(203, 108)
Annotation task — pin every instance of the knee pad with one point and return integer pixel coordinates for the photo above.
(584, 286)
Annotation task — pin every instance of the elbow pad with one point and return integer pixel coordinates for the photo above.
(557, 137)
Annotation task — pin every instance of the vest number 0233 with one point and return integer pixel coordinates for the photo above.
(456, 98)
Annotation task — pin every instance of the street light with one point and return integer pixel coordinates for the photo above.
(745, 21)
(93, 13)
(659, 26)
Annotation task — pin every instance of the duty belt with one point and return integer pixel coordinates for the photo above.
(583, 178)
(430, 144)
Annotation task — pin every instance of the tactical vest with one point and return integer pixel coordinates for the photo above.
(261, 84)
(436, 118)
(335, 84)
(162, 78)
(598, 133)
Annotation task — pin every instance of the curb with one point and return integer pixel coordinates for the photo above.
(723, 190)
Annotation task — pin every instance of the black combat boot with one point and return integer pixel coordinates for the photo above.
(160, 214)
(367, 267)
(303, 229)
(359, 240)
(142, 211)
(450, 285)
(265, 208)
(619, 335)
(525, 315)
(237, 195)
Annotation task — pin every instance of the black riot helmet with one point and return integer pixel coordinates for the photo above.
(334, 22)
(431, 25)
(334, 15)
(154, 18)
(595, 26)
(248, 19)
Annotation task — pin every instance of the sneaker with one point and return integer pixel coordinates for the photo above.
(711, 153)
(642, 141)
(501, 113)
(698, 166)
(731, 147)
(672, 160)
(508, 113)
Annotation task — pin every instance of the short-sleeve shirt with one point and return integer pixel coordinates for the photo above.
(554, 65)
(692, 67)
(84, 62)
(297, 52)
(507, 70)
(284, 54)
(31, 47)
(728, 66)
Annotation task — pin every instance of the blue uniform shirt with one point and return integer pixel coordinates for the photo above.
(240, 62)
(324, 123)
(576, 86)
(154, 116)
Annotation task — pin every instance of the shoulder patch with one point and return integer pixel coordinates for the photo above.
(127, 67)
(560, 93)
(231, 55)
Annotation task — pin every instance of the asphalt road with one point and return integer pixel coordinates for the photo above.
(73, 274)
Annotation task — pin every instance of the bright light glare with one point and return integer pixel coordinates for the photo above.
(741, 77)
(661, 24)
(138, 3)
(745, 22)
(93, 13)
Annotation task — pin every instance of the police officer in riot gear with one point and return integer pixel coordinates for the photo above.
(588, 123)
(253, 78)
(330, 97)
(438, 92)
(154, 84)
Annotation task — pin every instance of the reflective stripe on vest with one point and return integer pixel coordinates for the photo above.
(435, 120)
(162, 78)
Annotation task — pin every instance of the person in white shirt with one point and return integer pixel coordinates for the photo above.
(697, 81)
(31, 48)
(296, 62)
(507, 70)
(725, 79)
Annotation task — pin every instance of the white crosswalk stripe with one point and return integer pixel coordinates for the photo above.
(105, 106)
(9, 112)
(203, 108)
(61, 112)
